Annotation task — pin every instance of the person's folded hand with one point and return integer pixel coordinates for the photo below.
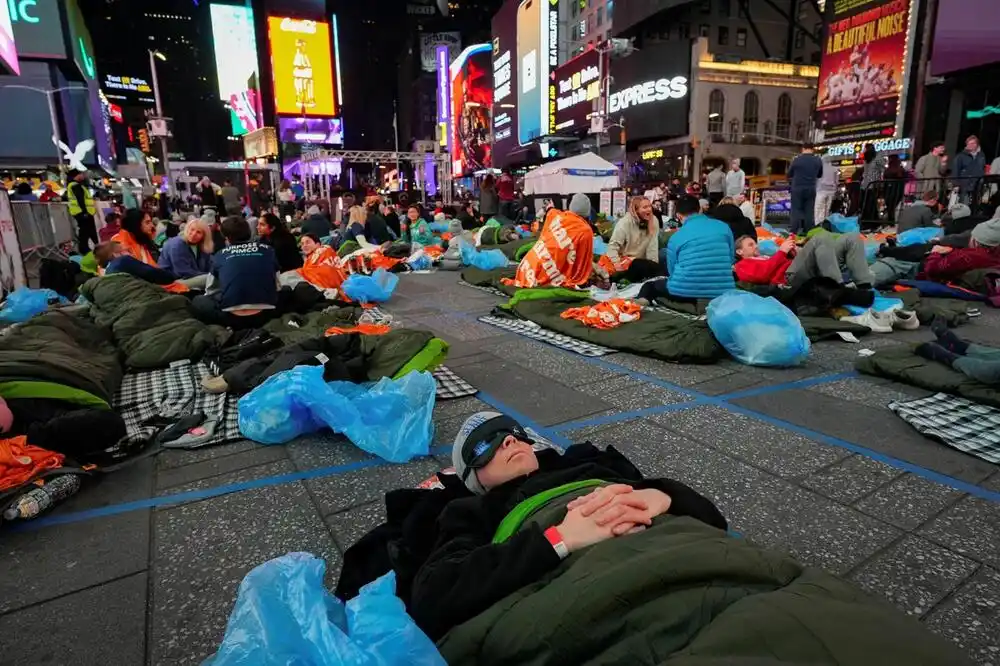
(599, 498)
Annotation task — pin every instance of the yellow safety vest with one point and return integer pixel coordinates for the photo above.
(88, 199)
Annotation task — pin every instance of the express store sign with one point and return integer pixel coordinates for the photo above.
(574, 88)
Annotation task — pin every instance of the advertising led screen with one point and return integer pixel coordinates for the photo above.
(575, 87)
(235, 43)
(537, 55)
(651, 93)
(127, 89)
(863, 69)
(38, 31)
(311, 130)
(8, 52)
(301, 66)
(961, 41)
(443, 57)
(505, 83)
(471, 110)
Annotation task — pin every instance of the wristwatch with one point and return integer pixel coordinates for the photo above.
(556, 539)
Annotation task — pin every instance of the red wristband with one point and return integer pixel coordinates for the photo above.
(556, 539)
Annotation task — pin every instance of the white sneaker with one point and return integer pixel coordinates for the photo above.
(873, 320)
(905, 320)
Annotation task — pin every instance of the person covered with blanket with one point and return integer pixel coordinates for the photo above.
(467, 572)
(113, 258)
(945, 263)
(320, 267)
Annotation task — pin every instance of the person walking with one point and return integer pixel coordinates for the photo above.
(804, 174)
(970, 167)
(716, 181)
(736, 180)
(82, 209)
(826, 190)
(929, 169)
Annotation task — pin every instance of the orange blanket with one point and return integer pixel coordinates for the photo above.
(20, 461)
(320, 269)
(563, 255)
(363, 329)
(607, 315)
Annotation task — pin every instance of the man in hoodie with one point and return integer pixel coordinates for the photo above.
(716, 181)
(970, 167)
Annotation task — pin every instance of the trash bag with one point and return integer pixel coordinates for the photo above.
(918, 236)
(24, 303)
(283, 615)
(768, 247)
(757, 330)
(600, 247)
(437, 227)
(374, 288)
(871, 251)
(844, 225)
(486, 260)
(420, 262)
(390, 418)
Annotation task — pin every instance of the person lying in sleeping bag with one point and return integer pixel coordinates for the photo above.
(947, 263)
(979, 362)
(821, 256)
(466, 572)
(113, 257)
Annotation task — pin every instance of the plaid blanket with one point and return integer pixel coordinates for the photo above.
(488, 289)
(532, 330)
(956, 422)
(450, 386)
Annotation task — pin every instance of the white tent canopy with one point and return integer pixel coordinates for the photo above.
(587, 173)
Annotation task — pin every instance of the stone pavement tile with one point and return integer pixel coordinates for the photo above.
(244, 475)
(341, 491)
(971, 617)
(909, 501)
(349, 526)
(851, 479)
(629, 394)
(731, 383)
(536, 397)
(971, 527)
(681, 375)
(445, 430)
(131, 483)
(178, 476)
(178, 458)
(833, 356)
(445, 409)
(760, 444)
(552, 362)
(451, 327)
(324, 449)
(58, 560)
(914, 575)
(101, 625)
(455, 363)
(876, 429)
(202, 552)
(869, 391)
(459, 351)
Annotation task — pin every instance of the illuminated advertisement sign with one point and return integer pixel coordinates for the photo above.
(650, 95)
(235, 43)
(537, 55)
(961, 40)
(444, 95)
(575, 87)
(302, 66)
(8, 52)
(471, 110)
(429, 41)
(37, 28)
(863, 69)
(505, 83)
(127, 89)
(311, 130)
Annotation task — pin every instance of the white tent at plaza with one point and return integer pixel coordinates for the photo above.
(587, 173)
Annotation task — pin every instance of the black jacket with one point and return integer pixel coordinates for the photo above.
(287, 252)
(377, 229)
(737, 221)
(466, 573)
(317, 224)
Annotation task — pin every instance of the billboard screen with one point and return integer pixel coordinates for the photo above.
(311, 130)
(575, 87)
(961, 43)
(127, 89)
(505, 90)
(235, 43)
(863, 69)
(537, 55)
(443, 57)
(38, 30)
(302, 66)
(8, 53)
(650, 95)
(471, 110)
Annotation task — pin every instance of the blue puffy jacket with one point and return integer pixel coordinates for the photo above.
(700, 258)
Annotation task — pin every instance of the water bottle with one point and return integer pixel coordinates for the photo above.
(40, 499)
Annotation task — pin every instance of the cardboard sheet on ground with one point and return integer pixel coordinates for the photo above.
(903, 365)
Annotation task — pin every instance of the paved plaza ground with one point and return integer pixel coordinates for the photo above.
(143, 568)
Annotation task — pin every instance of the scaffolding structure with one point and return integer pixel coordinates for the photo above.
(317, 164)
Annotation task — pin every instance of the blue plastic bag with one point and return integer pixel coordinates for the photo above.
(600, 247)
(757, 330)
(486, 260)
(421, 263)
(768, 247)
(24, 303)
(881, 304)
(844, 225)
(374, 288)
(918, 236)
(871, 251)
(437, 227)
(390, 418)
(283, 615)
(774, 230)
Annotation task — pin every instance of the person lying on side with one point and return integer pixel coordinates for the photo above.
(467, 572)
(822, 256)
(946, 263)
(114, 258)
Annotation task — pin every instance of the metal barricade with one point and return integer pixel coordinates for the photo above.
(42, 231)
(882, 200)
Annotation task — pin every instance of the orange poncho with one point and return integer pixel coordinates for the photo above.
(607, 315)
(320, 269)
(563, 255)
(134, 249)
(20, 461)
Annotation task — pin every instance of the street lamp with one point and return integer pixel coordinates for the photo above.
(49, 95)
(155, 55)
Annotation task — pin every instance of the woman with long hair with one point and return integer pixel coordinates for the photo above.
(136, 236)
(272, 231)
(189, 255)
(635, 240)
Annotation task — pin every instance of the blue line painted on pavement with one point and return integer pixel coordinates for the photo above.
(207, 493)
(628, 416)
(787, 386)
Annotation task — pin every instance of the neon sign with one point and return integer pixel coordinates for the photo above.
(23, 10)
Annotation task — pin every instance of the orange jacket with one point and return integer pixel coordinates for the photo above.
(563, 255)
(132, 246)
(320, 269)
